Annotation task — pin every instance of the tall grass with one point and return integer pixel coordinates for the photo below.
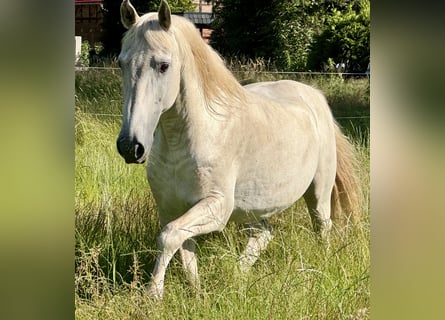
(117, 227)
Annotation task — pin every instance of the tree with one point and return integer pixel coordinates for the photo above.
(245, 28)
(297, 24)
(113, 29)
(345, 39)
(279, 31)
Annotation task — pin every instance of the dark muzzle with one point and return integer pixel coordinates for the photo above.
(131, 150)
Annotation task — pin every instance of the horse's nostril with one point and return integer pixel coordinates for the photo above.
(139, 151)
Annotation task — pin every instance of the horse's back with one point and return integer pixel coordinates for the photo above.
(296, 96)
(290, 92)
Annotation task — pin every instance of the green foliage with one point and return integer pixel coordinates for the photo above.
(296, 25)
(84, 57)
(89, 54)
(283, 31)
(345, 38)
(280, 31)
(180, 5)
(113, 29)
(245, 28)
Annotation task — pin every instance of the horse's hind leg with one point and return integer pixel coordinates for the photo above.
(260, 236)
(318, 195)
(318, 201)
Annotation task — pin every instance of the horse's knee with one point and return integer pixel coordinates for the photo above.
(169, 239)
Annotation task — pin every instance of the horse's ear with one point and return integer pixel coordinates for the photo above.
(165, 16)
(129, 16)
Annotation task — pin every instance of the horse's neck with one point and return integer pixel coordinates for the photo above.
(189, 126)
(172, 129)
(179, 124)
(200, 113)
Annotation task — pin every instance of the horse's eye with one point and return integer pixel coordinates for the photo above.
(163, 67)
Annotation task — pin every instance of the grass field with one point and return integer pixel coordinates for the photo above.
(117, 227)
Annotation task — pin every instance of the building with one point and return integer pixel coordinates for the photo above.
(89, 17)
(202, 21)
(203, 17)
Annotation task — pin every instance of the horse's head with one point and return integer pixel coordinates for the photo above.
(151, 71)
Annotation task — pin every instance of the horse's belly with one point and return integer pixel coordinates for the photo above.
(258, 199)
(273, 181)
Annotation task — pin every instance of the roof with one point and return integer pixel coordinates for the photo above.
(87, 1)
(203, 19)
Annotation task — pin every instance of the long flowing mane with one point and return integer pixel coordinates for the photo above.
(216, 80)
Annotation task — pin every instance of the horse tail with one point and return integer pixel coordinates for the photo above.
(345, 197)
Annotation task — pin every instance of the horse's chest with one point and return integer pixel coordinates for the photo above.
(173, 182)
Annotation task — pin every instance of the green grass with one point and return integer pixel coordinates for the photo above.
(117, 227)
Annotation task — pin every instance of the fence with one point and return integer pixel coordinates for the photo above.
(351, 74)
(248, 76)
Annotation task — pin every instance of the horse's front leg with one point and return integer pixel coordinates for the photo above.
(208, 215)
(188, 258)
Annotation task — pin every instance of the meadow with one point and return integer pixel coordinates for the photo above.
(116, 229)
